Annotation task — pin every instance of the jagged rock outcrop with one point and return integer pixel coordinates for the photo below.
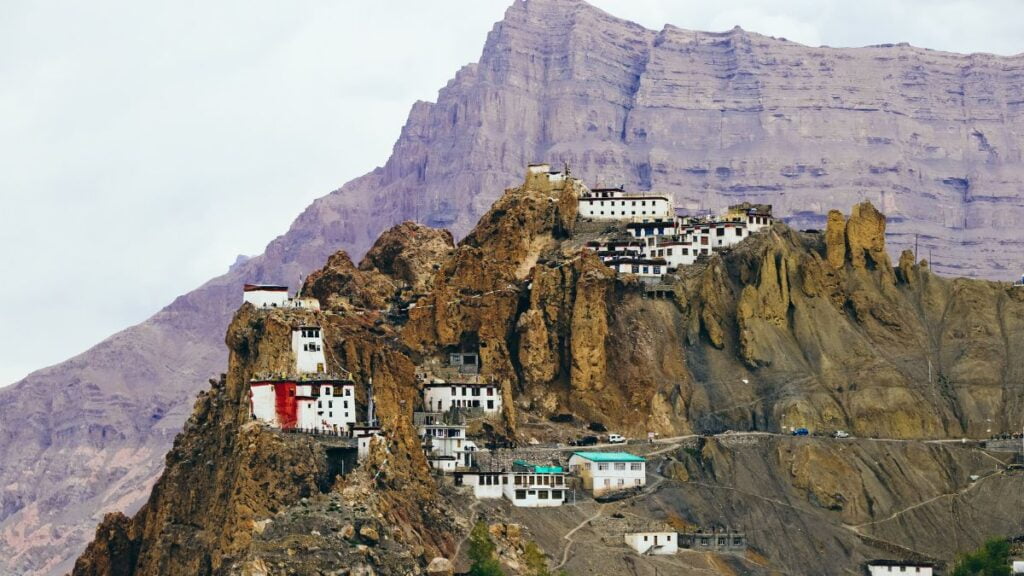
(227, 477)
(803, 128)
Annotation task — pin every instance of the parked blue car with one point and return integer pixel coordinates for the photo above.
(800, 432)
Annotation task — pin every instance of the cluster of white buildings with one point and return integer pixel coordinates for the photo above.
(655, 244)
(657, 240)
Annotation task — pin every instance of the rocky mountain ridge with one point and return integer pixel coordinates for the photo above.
(932, 138)
(811, 329)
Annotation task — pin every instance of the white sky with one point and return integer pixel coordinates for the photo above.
(144, 145)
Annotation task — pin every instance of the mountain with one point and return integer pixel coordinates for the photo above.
(815, 329)
(932, 138)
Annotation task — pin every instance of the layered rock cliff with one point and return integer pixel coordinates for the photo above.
(931, 138)
(787, 329)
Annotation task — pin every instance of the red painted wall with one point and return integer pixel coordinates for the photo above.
(285, 405)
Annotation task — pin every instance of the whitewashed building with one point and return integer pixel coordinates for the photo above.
(308, 348)
(616, 204)
(603, 472)
(440, 396)
(447, 446)
(531, 486)
(321, 405)
(656, 541)
(485, 484)
(265, 295)
(895, 567)
(275, 296)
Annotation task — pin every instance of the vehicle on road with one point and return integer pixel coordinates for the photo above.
(616, 439)
(801, 432)
(585, 441)
(841, 434)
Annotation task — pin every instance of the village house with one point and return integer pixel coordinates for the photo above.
(653, 539)
(447, 447)
(892, 567)
(526, 485)
(603, 472)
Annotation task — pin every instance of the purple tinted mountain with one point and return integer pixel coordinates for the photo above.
(933, 139)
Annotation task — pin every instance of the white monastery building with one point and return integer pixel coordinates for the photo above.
(439, 396)
(657, 541)
(308, 348)
(322, 404)
(603, 472)
(616, 204)
(275, 296)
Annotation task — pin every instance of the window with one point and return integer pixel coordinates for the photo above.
(645, 538)
(636, 268)
(634, 466)
(622, 482)
(520, 494)
(636, 482)
(669, 251)
(586, 466)
(647, 269)
(345, 404)
(720, 231)
(504, 480)
(490, 404)
(556, 494)
(657, 269)
(542, 494)
(319, 404)
(330, 414)
(620, 465)
(490, 391)
(739, 231)
(705, 541)
(602, 466)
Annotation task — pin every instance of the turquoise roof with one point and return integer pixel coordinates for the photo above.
(609, 456)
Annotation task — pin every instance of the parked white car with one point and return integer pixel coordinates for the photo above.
(841, 434)
(616, 439)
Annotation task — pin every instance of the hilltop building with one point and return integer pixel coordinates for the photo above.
(616, 204)
(315, 403)
(603, 472)
(308, 348)
(275, 296)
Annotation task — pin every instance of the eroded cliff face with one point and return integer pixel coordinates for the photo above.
(227, 477)
(788, 329)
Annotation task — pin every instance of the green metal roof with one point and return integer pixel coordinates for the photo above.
(609, 456)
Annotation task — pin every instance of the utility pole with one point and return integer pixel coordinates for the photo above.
(915, 247)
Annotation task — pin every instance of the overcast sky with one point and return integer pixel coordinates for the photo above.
(144, 145)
